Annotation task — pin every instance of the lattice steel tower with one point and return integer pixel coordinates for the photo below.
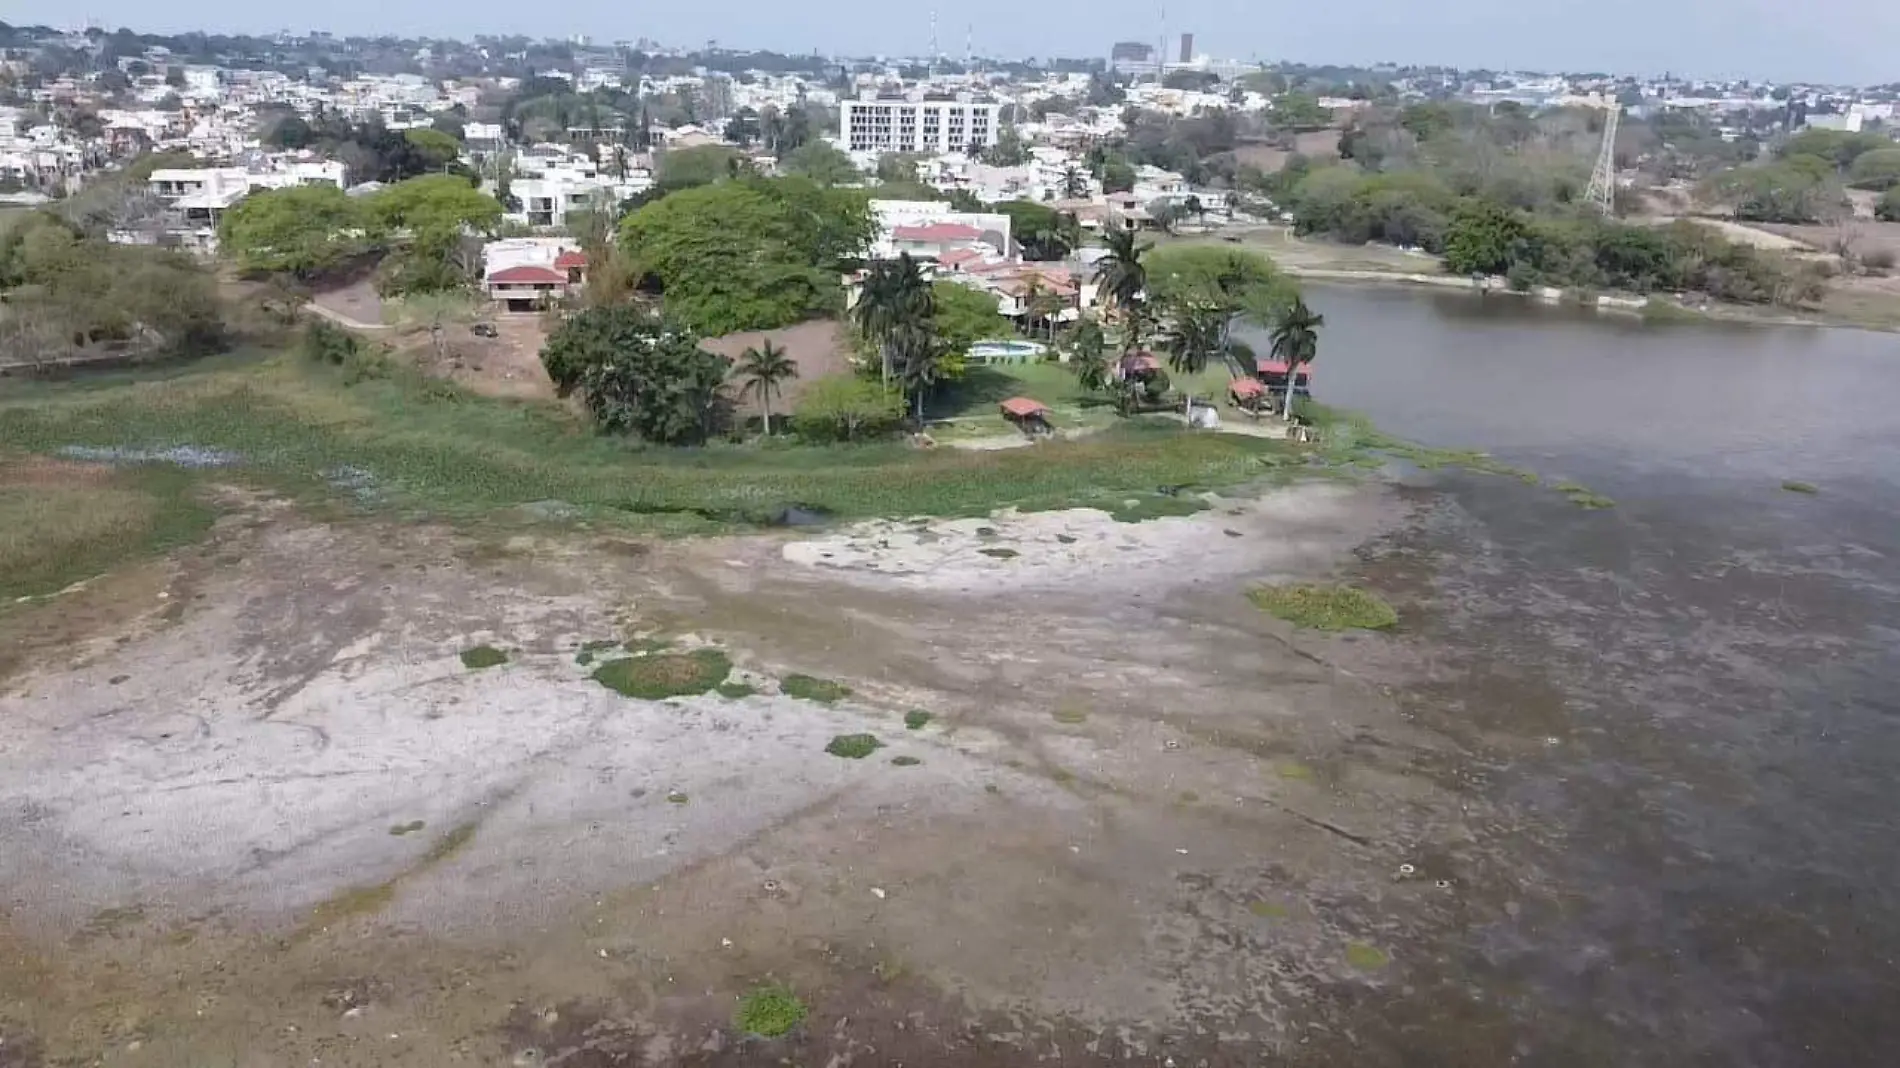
(1602, 191)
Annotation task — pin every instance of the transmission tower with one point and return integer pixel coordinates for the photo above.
(1602, 191)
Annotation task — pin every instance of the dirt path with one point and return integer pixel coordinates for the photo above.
(275, 819)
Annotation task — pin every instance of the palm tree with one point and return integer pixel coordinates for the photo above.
(919, 355)
(1121, 275)
(895, 295)
(761, 370)
(1296, 343)
(1090, 356)
(1075, 182)
(1193, 337)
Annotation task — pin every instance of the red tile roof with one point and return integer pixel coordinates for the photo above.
(1245, 387)
(528, 272)
(959, 255)
(937, 232)
(570, 258)
(1023, 406)
(1278, 367)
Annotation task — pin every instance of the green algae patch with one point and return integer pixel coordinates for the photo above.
(658, 676)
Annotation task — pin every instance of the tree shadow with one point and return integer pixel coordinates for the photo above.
(980, 386)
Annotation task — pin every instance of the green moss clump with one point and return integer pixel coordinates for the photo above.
(1069, 714)
(1000, 554)
(906, 761)
(663, 675)
(806, 687)
(1366, 958)
(1800, 487)
(483, 656)
(769, 1011)
(735, 691)
(853, 746)
(916, 719)
(1325, 607)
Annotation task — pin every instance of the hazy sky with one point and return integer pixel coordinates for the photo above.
(1847, 40)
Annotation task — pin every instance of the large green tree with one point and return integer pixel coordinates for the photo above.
(639, 374)
(302, 231)
(1888, 209)
(1040, 231)
(1482, 238)
(754, 254)
(1877, 170)
(822, 163)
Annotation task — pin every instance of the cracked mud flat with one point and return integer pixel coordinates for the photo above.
(256, 811)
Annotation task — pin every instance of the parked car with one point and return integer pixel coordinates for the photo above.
(484, 330)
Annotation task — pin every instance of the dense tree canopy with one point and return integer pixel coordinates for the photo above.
(436, 204)
(749, 254)
(822, 163)
(1043, 233)
(64, 291)
(1798, 189)
(685, 168)
(638, 373)
(301, 231)
(1876, 170)
(964, 316)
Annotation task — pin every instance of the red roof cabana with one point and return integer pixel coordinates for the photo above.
(1024, 408)
(1246, 387)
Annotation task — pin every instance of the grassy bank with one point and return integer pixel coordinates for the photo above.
(969, 405)
(411, 447)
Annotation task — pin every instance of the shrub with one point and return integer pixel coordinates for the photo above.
(853, 746)
(1325, 607)
(823, 691)
(769, 1011)
(483, 656)
(845, 407)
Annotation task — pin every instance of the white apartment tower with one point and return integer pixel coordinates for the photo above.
(874, 123)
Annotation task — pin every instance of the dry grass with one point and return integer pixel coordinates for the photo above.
(60, 523)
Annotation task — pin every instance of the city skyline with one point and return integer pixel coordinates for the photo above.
(1699, 38)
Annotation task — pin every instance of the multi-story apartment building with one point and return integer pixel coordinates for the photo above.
(917, 124)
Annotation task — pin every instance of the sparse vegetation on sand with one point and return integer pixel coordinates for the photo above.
(853, 746)
(916, 719)
(657, 676)
(808, 688)
(769, 1010)
(1325, 607)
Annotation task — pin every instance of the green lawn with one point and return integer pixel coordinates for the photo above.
(971, 404)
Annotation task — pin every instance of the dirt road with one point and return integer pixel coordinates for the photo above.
(271, 818)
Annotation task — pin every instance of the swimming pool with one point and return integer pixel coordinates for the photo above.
(1007, 351)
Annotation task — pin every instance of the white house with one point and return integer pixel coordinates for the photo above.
(929, 229)
(526, 273)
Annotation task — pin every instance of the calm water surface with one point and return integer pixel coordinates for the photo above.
(1710, 844)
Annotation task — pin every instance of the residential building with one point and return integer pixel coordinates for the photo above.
(528, 273)
(929, 229)
(916, 123)
(196, 198)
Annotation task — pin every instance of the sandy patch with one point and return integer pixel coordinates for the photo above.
(1012, 550)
